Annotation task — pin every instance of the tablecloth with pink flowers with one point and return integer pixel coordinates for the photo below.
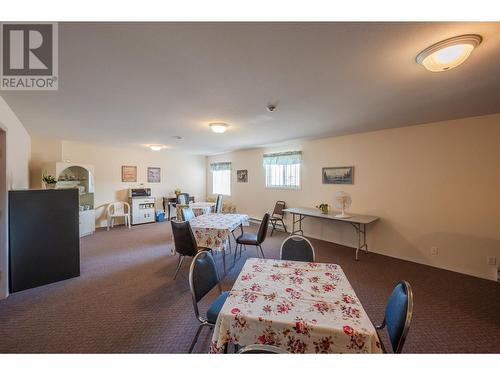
(298, 306)
(212, 230)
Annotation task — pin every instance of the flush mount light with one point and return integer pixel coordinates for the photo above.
(449, 53)
(218, 127)
(156, 147)
(178, 137)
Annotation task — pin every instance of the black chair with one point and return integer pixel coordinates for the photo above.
(218, 204)
(203, 278)
(253, 239)
(183, 198)
(278, 215)
(398, 315)
(184, 241)
(187, 213)
(297, 248)
(261, 349)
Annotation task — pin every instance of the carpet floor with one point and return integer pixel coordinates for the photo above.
(125, 300)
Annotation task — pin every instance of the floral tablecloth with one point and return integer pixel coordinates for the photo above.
(199, 208)
(298, 306)
(212, 230)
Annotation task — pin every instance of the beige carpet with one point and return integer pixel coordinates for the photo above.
(125, 301)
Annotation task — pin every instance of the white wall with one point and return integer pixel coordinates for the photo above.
(178, 169)
(17, 160)
(432, 185)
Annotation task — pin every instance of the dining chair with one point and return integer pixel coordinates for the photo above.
(203, 278)
(116, 210)
(261, 349)
(184, 242)
(297, 248)
(252, 238)
(278, 215)
(187, 214)
(398, 315)
(218, 204)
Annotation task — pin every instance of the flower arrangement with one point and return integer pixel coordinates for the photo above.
(323, 207)
(48, 180)
(177, 191)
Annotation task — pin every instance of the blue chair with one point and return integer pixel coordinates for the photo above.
(297, 248)
(203, 278)
(261, 349)
(187, 214)
(398, 315)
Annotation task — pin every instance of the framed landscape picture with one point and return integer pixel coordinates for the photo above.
(242, 175)
(154, 174)
(129, 173)
(338, 175)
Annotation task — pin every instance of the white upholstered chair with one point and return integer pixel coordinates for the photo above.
(118, 209)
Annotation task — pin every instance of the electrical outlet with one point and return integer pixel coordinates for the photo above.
(491, 261)
(434, 250)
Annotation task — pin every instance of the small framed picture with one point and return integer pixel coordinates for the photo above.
(154, 174)
(129, 173)
(242, 175)
(338, 175)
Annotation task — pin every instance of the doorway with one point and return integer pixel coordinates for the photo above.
(3, 215)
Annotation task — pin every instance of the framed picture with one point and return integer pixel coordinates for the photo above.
(154, 174)
(129, 173)
(338, 175)
(242, 175)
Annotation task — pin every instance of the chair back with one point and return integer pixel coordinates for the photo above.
(261, 349)
(218, 204)
(398, 314)
(184, 240)
(183, 198)
(187, 213)
(278, 209)
(297, 248)
(262, 233)
(118, 208)
(203, 276)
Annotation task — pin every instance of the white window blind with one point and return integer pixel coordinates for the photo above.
(283, 170)
(221, 178)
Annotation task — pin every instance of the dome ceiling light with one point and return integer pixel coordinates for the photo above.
(218, 127)
(448, 53)
(156, 147)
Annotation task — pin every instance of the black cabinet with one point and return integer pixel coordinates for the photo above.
(44, 242)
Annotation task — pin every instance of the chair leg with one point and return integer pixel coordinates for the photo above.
(235, 253)
(179, 264)
(195, 339)
(273, 223)
(107, 224)
(284, 226)
(262, 251)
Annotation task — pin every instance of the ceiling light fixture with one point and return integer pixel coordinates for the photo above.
(156, 147)
(449, 53)
(178, 137)
(218, 127)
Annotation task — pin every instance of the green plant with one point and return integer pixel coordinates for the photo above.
(48, 179)
(177, 191)
(323, 207)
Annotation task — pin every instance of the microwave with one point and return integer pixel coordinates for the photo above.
(140, 192)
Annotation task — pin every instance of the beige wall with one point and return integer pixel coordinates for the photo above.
(433, 185)
(177, 169)
(16, 173)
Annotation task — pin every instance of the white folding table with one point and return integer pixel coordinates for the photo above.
(359, 222)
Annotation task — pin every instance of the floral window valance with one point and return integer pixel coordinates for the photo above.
(225, 166)
(283, 158)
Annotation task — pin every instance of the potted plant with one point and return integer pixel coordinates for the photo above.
(177, 191)
(49, 181)
(323, 207)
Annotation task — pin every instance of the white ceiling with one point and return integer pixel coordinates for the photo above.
(133, 84)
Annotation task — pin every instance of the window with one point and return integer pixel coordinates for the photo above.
(221, 178)
(283, 170)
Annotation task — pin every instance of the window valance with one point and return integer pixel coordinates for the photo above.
(225, 166)
(283, 158)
